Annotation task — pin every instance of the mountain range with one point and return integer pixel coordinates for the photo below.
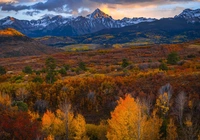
(100, 28)
(181, 28)
(60, 26)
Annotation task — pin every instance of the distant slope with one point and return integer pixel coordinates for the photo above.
(169, 30)
(10, 32)
(55, 41)
(14, 44)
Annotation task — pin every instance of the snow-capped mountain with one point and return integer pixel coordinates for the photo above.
(191, 16)
(74, 26)
(61, 26)
(98, 14)
(131, 21)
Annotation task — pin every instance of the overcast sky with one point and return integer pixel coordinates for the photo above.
(35, 9)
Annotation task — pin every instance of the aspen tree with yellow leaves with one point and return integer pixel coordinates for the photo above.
(34, 115)
(171, 130)
(50, 137)
(153, 127)
(162, 104)
(129, 122)
(64, 125)
(53, 124)
(78, 130)
(5, 99)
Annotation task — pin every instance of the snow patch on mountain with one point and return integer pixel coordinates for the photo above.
(80, 25)
(190, 15)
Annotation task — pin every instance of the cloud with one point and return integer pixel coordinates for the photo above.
(69, 5)
(7, 1)
(59, 6)
(50, 5)
(17, 1)
(11, 7)
(138, 1)
(32, 13)
(113, 7)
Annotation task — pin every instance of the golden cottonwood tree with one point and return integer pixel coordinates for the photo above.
(171, 130)
(129, 122)
(5, 99)
(63, 126)
(162, 104)
(49, 138)
(78, 129)
(153, 125)
(53, 124)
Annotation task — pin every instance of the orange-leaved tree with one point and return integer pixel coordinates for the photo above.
(63, 125)
(52, 124)
(129, 121)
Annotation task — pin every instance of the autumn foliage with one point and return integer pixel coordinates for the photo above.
(129, 121)
(16, 124)
(98, 95)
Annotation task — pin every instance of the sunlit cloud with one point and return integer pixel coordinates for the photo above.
(8, 1)
(157, 10)
(115, 8)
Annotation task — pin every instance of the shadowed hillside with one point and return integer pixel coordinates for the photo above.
(14, 43)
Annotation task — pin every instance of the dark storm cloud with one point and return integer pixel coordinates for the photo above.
(50, 5)
(11, 7)
(31, 13)
(69, 6)
(138, 1)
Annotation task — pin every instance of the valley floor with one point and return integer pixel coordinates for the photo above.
(103, 94)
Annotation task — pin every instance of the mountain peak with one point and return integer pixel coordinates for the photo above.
(189, 14)
(98, 14)
(47, 17)
(97, 10)
(57, 17)
(9, 18)
(187, 10)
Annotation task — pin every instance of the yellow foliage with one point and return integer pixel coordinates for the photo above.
(153, 125)
(64, 125)
(188, 123)
(60, 114)
(190, 104)
(162, 103)
(78, 124)
(129, 122)
(171, 130)
(117, 46)
(50, 137)
(10, 32)
(53, 125)
(48, 119)
(33, 115)
(5, 99)
(97, 131)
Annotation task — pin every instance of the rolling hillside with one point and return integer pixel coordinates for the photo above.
(14, 43)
